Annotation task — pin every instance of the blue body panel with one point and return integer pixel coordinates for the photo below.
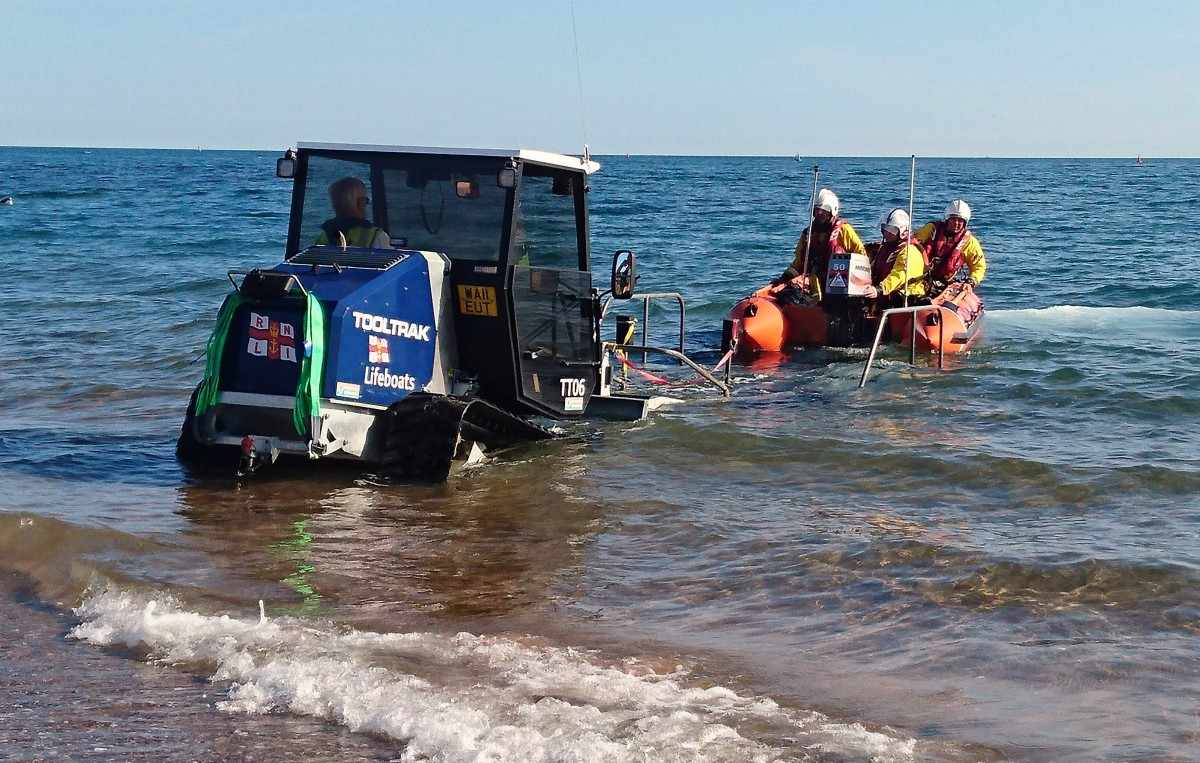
(381, 341)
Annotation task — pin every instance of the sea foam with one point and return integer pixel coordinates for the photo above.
(466, 697)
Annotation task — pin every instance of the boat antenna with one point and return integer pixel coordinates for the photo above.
(912, 184)
(579, 79)
(808, 238)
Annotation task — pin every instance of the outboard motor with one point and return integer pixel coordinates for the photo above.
(848, 275)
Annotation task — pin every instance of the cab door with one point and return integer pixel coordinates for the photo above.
(550, 288)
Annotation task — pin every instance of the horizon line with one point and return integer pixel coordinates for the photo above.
(797, 157)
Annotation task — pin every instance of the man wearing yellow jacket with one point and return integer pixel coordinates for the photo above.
(899, 266)
(951, 247)
(351, 225)
(830, 235)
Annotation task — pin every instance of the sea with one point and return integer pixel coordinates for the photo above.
(993, 560)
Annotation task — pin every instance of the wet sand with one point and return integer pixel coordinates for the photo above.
(66, 703)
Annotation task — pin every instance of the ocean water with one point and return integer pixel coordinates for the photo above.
(993, 561)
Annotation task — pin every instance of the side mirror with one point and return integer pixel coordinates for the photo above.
(285, 166)
(507, 177)
(624, 274)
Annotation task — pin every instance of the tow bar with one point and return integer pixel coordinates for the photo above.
(255, 453)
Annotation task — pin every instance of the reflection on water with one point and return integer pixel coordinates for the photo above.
(296, 550)
(493, 545)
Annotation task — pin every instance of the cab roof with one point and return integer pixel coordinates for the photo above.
(546, 158)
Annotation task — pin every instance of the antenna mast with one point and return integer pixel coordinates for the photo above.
(579, 80)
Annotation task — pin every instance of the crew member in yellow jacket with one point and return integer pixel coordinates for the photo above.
(349, 200)
(830, 235)
(899, 266)
(952, 247)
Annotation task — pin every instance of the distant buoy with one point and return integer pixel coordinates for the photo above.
(6, 200)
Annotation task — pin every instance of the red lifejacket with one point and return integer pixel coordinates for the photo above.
(885, 258)
(946, 257)
(819, 255)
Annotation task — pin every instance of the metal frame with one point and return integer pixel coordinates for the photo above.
(644, 348)
(912, 355)
(291, 281)
(704, 372)
(646, 312)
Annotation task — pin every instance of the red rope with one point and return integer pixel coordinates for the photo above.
(646, 374)
(723, 361)
(660, 380)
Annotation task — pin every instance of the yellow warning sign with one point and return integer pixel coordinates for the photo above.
(477, 300)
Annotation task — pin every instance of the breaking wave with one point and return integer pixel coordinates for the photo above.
(466, 697)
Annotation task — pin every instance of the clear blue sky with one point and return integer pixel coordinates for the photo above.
(963, 78)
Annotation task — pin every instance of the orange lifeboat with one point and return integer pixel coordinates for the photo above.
(790, 314)
(951, 328)
(780, 317)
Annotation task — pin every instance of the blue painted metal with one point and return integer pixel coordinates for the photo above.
(381, 339)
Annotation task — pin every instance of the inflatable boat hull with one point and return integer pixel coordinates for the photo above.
(949, 329)
(775, 319)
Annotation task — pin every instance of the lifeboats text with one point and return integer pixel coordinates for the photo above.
(374, 376)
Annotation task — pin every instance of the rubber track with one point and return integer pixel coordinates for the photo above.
(193, 453)
(422, 434)
(420, 438)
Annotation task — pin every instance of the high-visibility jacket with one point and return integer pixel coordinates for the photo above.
(358, 233)
(841, 238)
(903, 269)
(947, 258)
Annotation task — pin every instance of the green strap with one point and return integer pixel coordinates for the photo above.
(215, 350)
(312, 367)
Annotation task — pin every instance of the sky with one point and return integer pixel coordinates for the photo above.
(1070, 78)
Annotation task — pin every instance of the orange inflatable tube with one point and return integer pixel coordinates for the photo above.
(951, 328)
(776, 318)
(772, 319)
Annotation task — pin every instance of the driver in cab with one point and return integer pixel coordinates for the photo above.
(351, 225)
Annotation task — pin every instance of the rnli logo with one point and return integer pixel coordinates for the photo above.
(271, 339)
(377, 350)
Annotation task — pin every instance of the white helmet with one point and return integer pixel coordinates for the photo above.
(896, 221)
(828, 201)
(957, 208)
